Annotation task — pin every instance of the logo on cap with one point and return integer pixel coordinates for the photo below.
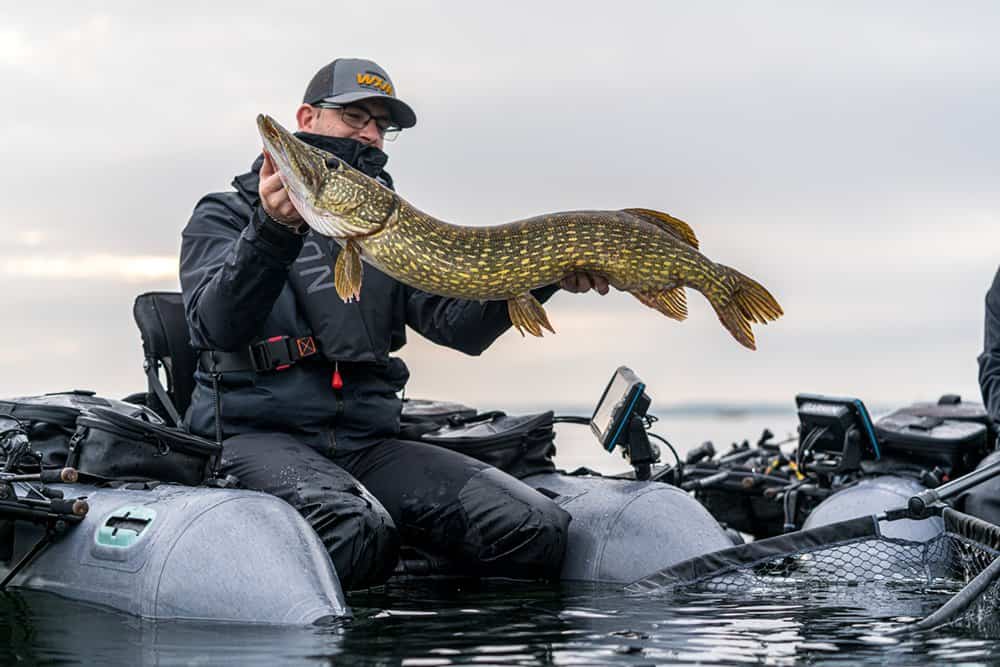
(374, 81)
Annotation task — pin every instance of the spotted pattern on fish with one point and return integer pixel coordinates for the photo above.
(642, 251)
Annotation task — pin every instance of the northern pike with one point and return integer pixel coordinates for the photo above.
(650, 254)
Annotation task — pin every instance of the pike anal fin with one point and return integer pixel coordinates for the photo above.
(671, 302)
(526, 314)
(347, 273)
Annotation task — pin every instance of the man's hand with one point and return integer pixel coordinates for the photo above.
(582, 281)
(274, 198)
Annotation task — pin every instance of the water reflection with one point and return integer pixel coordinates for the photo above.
(496, 623)
(37, 628)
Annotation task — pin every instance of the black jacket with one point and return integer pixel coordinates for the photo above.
(234, 277)
(989, 360)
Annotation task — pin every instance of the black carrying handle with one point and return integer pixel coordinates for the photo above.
(455, 421)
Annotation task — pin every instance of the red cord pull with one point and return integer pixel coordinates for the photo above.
(336, 381)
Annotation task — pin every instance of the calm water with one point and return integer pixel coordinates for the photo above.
(451, 623)
(504, 623)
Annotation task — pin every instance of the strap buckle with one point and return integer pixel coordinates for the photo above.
(279, 352)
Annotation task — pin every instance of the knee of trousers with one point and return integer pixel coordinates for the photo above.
(524, 536)
(359, 535)
(546, 530)
(982, 503)
(983, 500)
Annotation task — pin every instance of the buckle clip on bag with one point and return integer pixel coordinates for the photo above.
(116, 446)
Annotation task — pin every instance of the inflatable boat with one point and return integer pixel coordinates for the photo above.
(175, 551)
(170, 551)
(212, 553)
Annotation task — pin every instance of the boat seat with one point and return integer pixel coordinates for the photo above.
(166, 344)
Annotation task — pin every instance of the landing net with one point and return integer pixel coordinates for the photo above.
(854, 554)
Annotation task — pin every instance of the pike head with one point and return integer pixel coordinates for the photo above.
(333, 198)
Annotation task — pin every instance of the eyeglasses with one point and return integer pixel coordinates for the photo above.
(358, 118)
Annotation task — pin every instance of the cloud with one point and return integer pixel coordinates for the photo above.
(29, 237)
(14, 48)
(134, 269)
(844, 154)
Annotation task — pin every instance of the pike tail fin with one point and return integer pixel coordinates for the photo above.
(747, 302)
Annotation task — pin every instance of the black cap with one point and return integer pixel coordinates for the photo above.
(347, 80)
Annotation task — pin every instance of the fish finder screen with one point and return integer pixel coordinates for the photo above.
(830, 418)
(612, 405)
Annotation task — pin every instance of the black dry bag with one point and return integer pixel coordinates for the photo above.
(116, 446)
(49, 420)
(520, 445)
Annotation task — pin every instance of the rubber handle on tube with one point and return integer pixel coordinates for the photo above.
(64, 475)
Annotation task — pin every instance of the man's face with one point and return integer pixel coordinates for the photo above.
(330, 122)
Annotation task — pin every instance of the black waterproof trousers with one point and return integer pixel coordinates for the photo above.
(363, 503)
(983, 501)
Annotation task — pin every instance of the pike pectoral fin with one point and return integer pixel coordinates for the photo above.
(347, 273)
(677, 228)
(671, 302)
(526, 314)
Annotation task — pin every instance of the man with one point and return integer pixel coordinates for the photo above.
(989, 360)
(983, 500)
(303, 387)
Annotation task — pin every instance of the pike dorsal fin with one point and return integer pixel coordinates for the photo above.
(668, 223)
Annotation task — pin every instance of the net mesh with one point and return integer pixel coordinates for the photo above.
(852, 554)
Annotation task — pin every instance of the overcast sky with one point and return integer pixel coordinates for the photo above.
(845, 154)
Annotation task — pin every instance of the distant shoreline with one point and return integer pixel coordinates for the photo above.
(718, 410)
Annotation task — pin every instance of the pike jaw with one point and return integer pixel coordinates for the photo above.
(327, 198)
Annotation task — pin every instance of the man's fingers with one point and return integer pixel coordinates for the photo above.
(289, 214)
(267, 168)
(571, 283)
(583, 281)
(270, 184)
(273, 196)
(575, 282)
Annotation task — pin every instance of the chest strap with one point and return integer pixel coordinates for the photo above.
(271, 354)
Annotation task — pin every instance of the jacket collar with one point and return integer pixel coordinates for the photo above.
(366, 159)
